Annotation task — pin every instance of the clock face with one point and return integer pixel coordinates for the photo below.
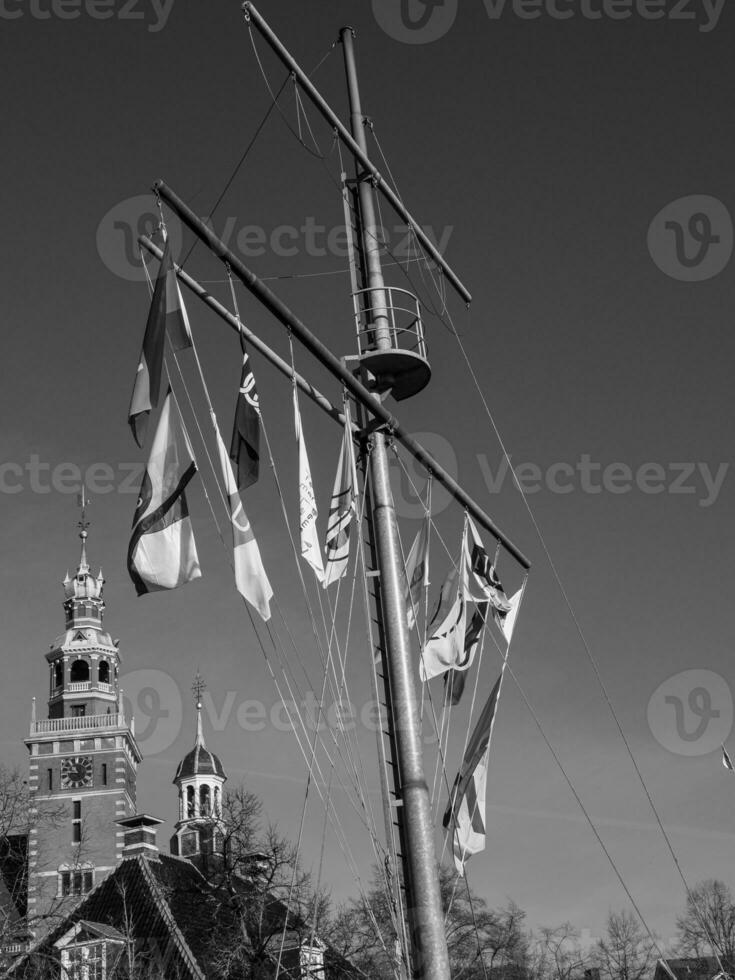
(76, 772)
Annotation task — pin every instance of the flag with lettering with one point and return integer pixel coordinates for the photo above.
(308, 513)
(250, 576)
(341, 512)
(162, 553)
(464, 817)
(245, 442)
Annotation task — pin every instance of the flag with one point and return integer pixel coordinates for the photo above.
(308, 513)
(250, 577)
(454, 679)
(483, 575)
(417, 572)
(162, 553)
(507, 621)
(167, 312)
(465, 813)
(341, 510)
(245, 442)
(726, 760)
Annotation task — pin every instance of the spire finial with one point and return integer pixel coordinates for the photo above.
(198, 687)
(83, 524)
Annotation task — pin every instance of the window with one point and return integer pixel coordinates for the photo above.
(103, 672)
(104, 774)
(78, 710)
(79, 671)
(85, 962)
(49, 779)
(58, 673)
(76, 822)
(76, 882)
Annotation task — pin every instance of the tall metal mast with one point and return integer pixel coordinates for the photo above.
(429, 955)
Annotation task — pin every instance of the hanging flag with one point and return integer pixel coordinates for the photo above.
(245, 442)
(341, 511)
(465, 813)
(726, 760)
(250, 577)
(507, 621)
(167, 313)
(483, 575)
(417, 572)
(454, 679)
(162, 553)
(308, 513)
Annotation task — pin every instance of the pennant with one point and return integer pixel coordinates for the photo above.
(167, 313)
(454, 679)
(417, 572)
(726, 760)
(465, 813)
(308, 513)
(484, 578)
(162, 552)
(507, 621)
(250, 577)
(341, 511)
(245, 442)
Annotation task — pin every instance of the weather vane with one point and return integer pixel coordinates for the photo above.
(198, 687)
(82, 504)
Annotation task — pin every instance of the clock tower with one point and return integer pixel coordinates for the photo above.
(83, 757)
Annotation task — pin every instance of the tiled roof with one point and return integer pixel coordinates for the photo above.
(199, 762)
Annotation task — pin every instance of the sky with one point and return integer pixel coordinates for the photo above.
(577, 171)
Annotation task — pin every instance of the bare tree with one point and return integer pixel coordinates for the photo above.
(626, 952)
(556, 954)
(707, 927)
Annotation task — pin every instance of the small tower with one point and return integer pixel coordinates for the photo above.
(199, 833)
(83, 756)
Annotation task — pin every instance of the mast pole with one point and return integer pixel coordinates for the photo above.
(430, 958)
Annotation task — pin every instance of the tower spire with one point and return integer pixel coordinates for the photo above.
(83, 524)
(198, 687)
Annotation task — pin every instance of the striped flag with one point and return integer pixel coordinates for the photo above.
(483, 575)
(162, 552)
(167, 313)
(341, 512)
(250, 577)
(726, 760)
(308, 512)
(245, 442)
(454, 679)
(417, 572)
(465, 813)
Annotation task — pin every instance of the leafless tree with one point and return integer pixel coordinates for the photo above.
(707, 926)
(626, 952)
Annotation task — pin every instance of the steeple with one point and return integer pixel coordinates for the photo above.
(200, 778)
(83, 601)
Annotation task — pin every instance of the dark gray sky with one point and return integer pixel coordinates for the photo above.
(541, 150)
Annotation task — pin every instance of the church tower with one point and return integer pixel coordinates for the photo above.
(199, 833)
(83, 757)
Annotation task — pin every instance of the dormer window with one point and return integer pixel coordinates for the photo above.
(90, 951)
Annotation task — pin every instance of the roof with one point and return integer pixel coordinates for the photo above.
(199, 762)
(689, 968)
